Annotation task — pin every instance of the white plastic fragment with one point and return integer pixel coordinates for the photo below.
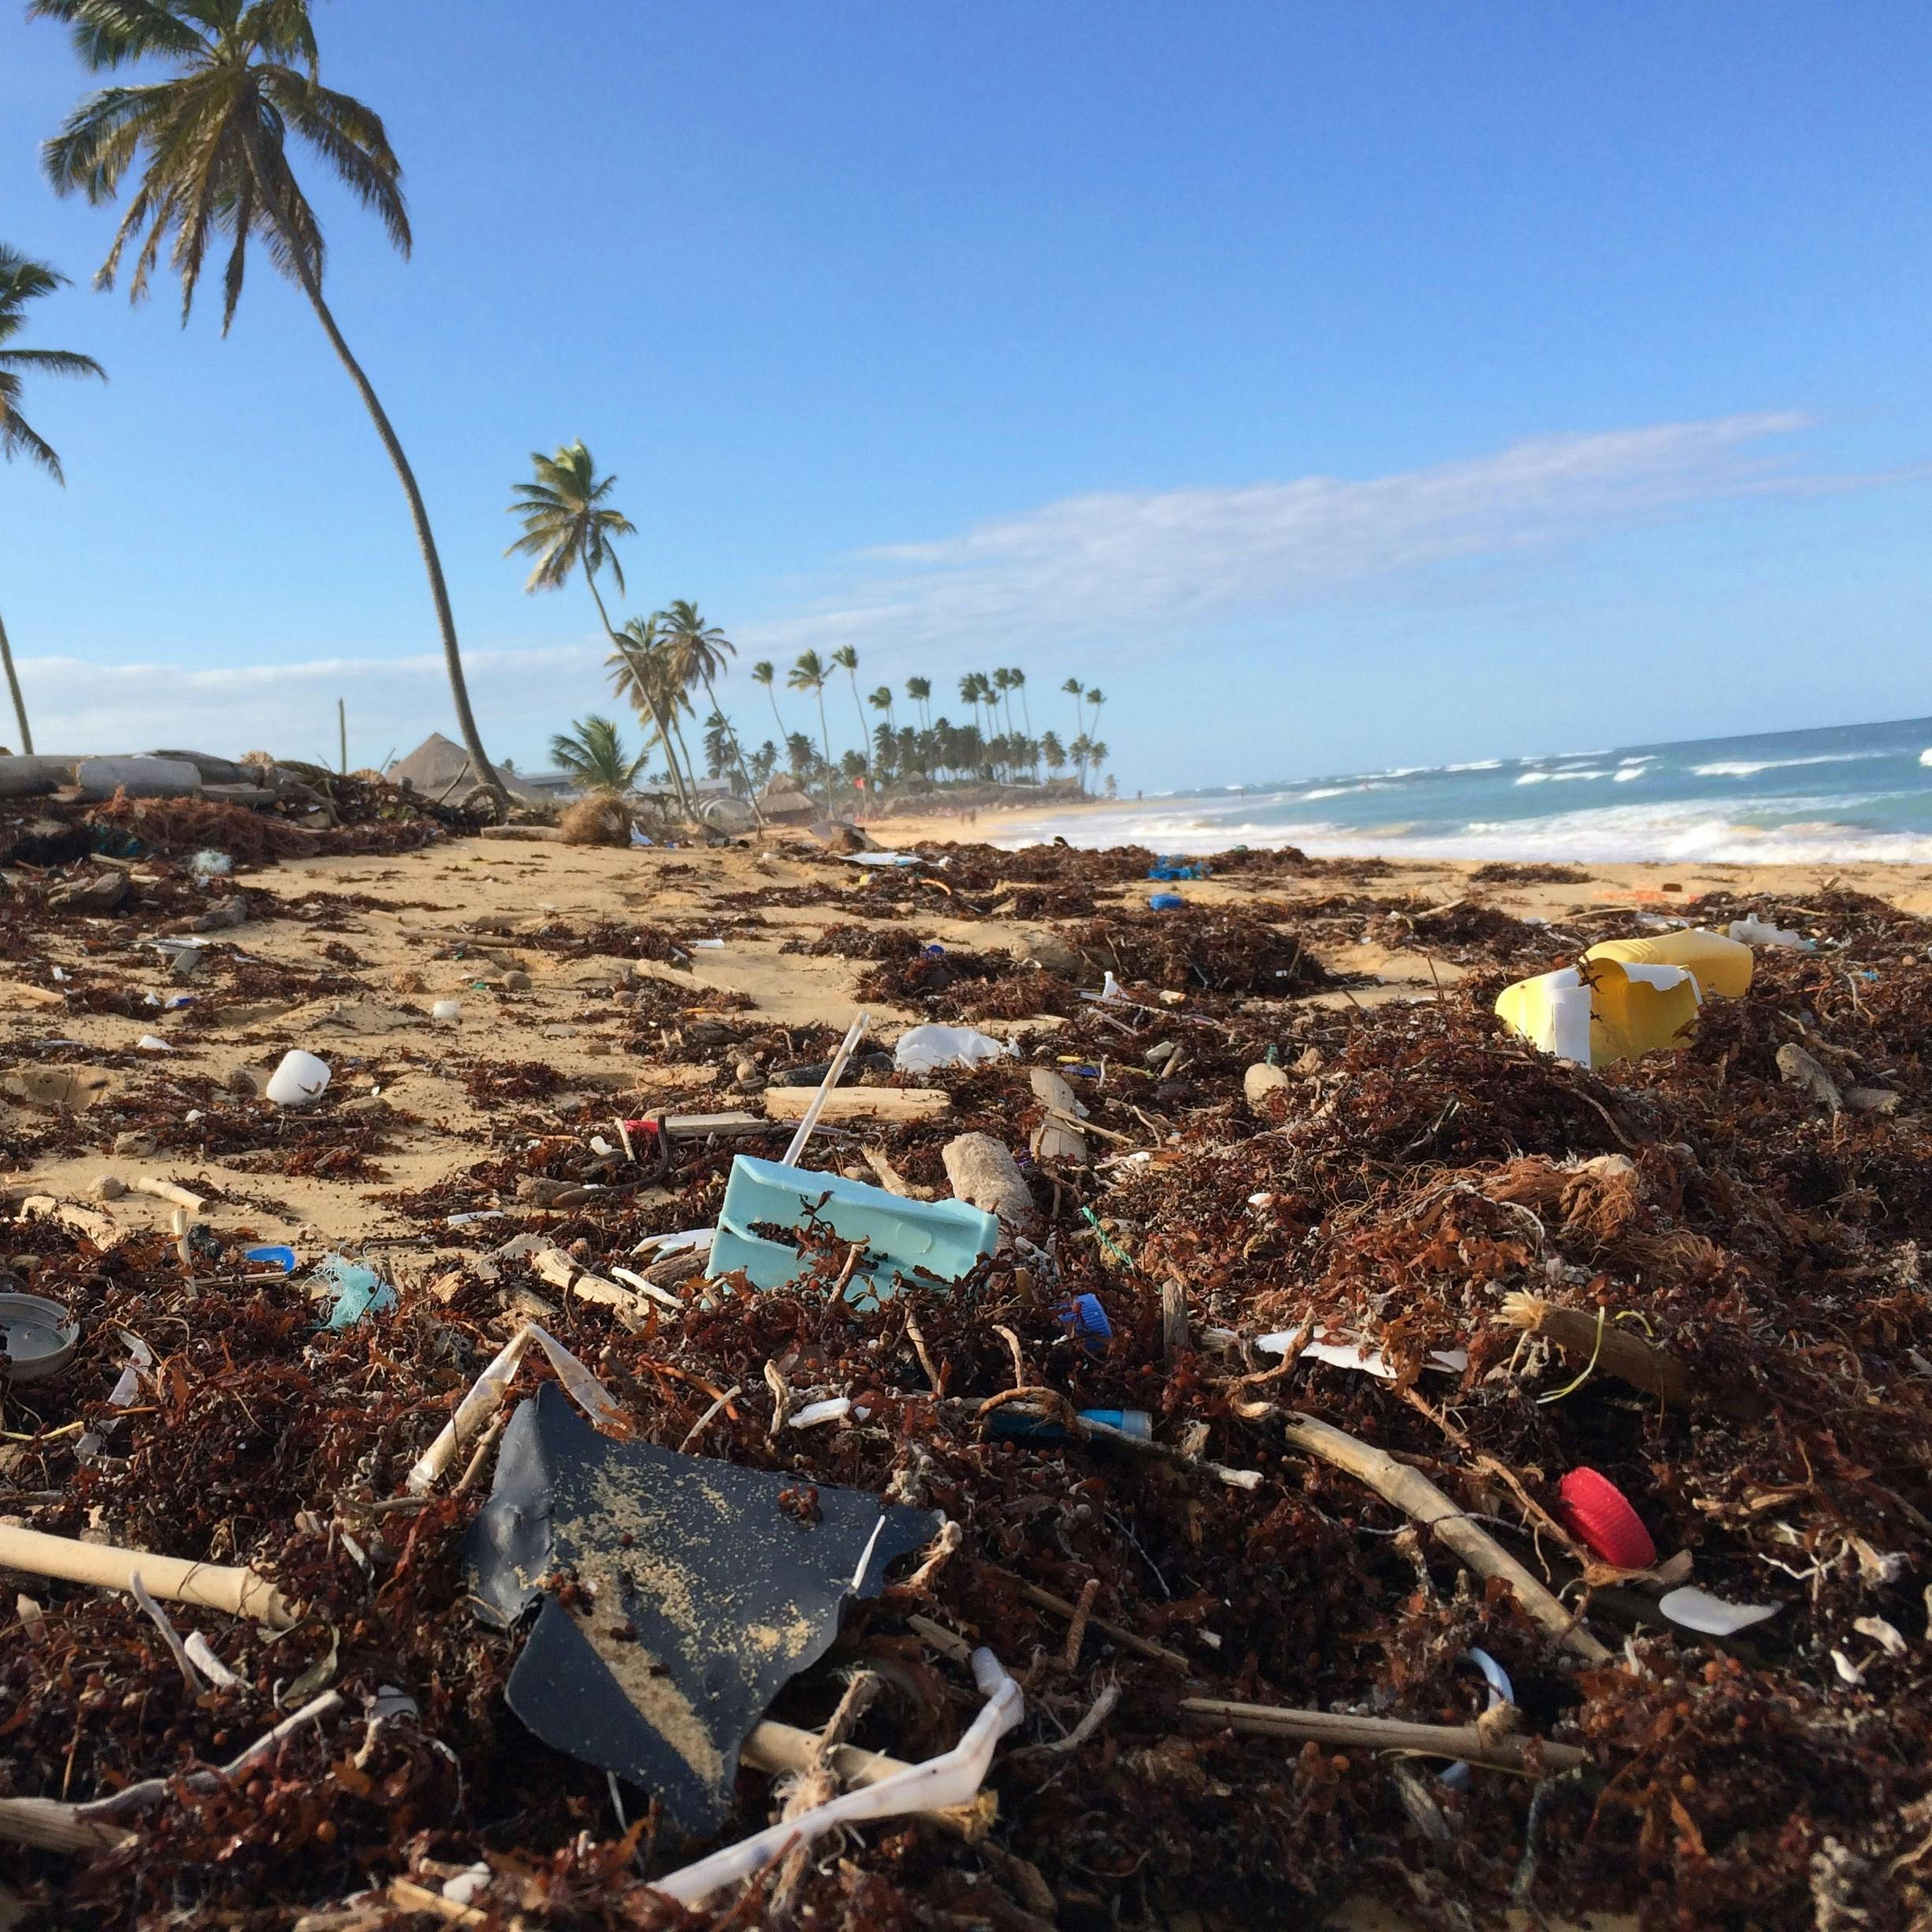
(149, 1043)
(1698, 1610)
(485, 1397)
(1347, 1354)
(941, 1783)
(299, 1079)
(833, 1409)
(1755, 931)
(447, 1009)
(928, 1049)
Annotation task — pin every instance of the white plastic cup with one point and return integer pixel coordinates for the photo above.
(298, 1079)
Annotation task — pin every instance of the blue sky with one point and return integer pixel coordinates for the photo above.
(1338, 386)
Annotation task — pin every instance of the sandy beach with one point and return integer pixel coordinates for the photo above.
(403, 918)
(1301, 1106)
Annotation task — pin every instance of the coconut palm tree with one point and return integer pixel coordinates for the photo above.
(1098, 754)
(847, 659)
(1096, 698)
(1053, 751)
(698, 651)
(763, 672)
(1001, 681)
(1079, 753)
(22, 281)
(881, 700)
(593, 753)
(918, 690)
(639, 672)
(1076, 690)
(809, 674)
(1016, 680)
(211, 145)
(570, 524)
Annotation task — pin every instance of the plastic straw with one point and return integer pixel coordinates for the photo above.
(825, 1088)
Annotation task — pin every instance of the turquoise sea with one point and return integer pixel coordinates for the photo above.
(1852, 792)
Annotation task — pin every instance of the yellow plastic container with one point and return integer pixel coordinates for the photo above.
(1626, 997)
(1720, 965)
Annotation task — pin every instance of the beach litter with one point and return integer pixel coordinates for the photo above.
(688, 1593)
(932, 1048)
(1242, 1549)
(299, 1078)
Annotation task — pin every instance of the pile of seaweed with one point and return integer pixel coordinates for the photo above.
(1698, 1274)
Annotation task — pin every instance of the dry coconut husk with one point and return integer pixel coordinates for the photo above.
(603, 820)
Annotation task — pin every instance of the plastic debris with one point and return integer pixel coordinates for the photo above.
(1165, 902)
(299, 1078)
(356, 1291)
(1598, 1514)
(1698, 1610)
(932, 1049)
(698, 1589)
(940, 1784)
(885, 1237)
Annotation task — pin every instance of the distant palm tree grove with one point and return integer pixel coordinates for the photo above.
(202, 155)
(663, 663)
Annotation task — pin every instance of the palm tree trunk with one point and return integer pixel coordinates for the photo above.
(686, 749)
(778, 716)
(663, 737)
(865, 739)
(13, 691)
(737, 753)
(419, 516)
(825, 738)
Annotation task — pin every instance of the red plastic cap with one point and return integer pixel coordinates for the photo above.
(1597, 1513)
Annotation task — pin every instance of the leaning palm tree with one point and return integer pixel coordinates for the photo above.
(881, 700)
(211, 145)
(1096, 698)
(22, 281)
(918, 690)
(972, 688)
(809, 674)
(697, 653)
(847, 659)
(638, 674)
(594, 754)
(1077, 690)
(1016, 680)
(763, 672)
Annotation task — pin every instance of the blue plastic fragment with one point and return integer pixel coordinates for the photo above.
(359, 1291)
(283, 1258)
(1085, 1321)
(1165, 902)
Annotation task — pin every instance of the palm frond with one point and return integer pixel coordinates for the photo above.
(111, 33)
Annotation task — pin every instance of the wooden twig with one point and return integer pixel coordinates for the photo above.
(1416, 1497)
(1469, 1743)
(1046, 1599)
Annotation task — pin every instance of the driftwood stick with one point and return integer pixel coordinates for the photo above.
(50, 1825)
(1416, 1496)
(1125, 1638)
(1583, 1338)
(241, 1592)
(1466, 1741)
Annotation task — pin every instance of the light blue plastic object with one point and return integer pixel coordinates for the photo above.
(1165, 902)
(1030, 1425)
(283, 1258)
(359, 1291)
(920, 1240)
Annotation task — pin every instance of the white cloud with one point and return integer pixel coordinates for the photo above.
(1120, 563)
(1119, 566)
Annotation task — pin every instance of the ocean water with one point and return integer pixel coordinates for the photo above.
(1854, 792)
